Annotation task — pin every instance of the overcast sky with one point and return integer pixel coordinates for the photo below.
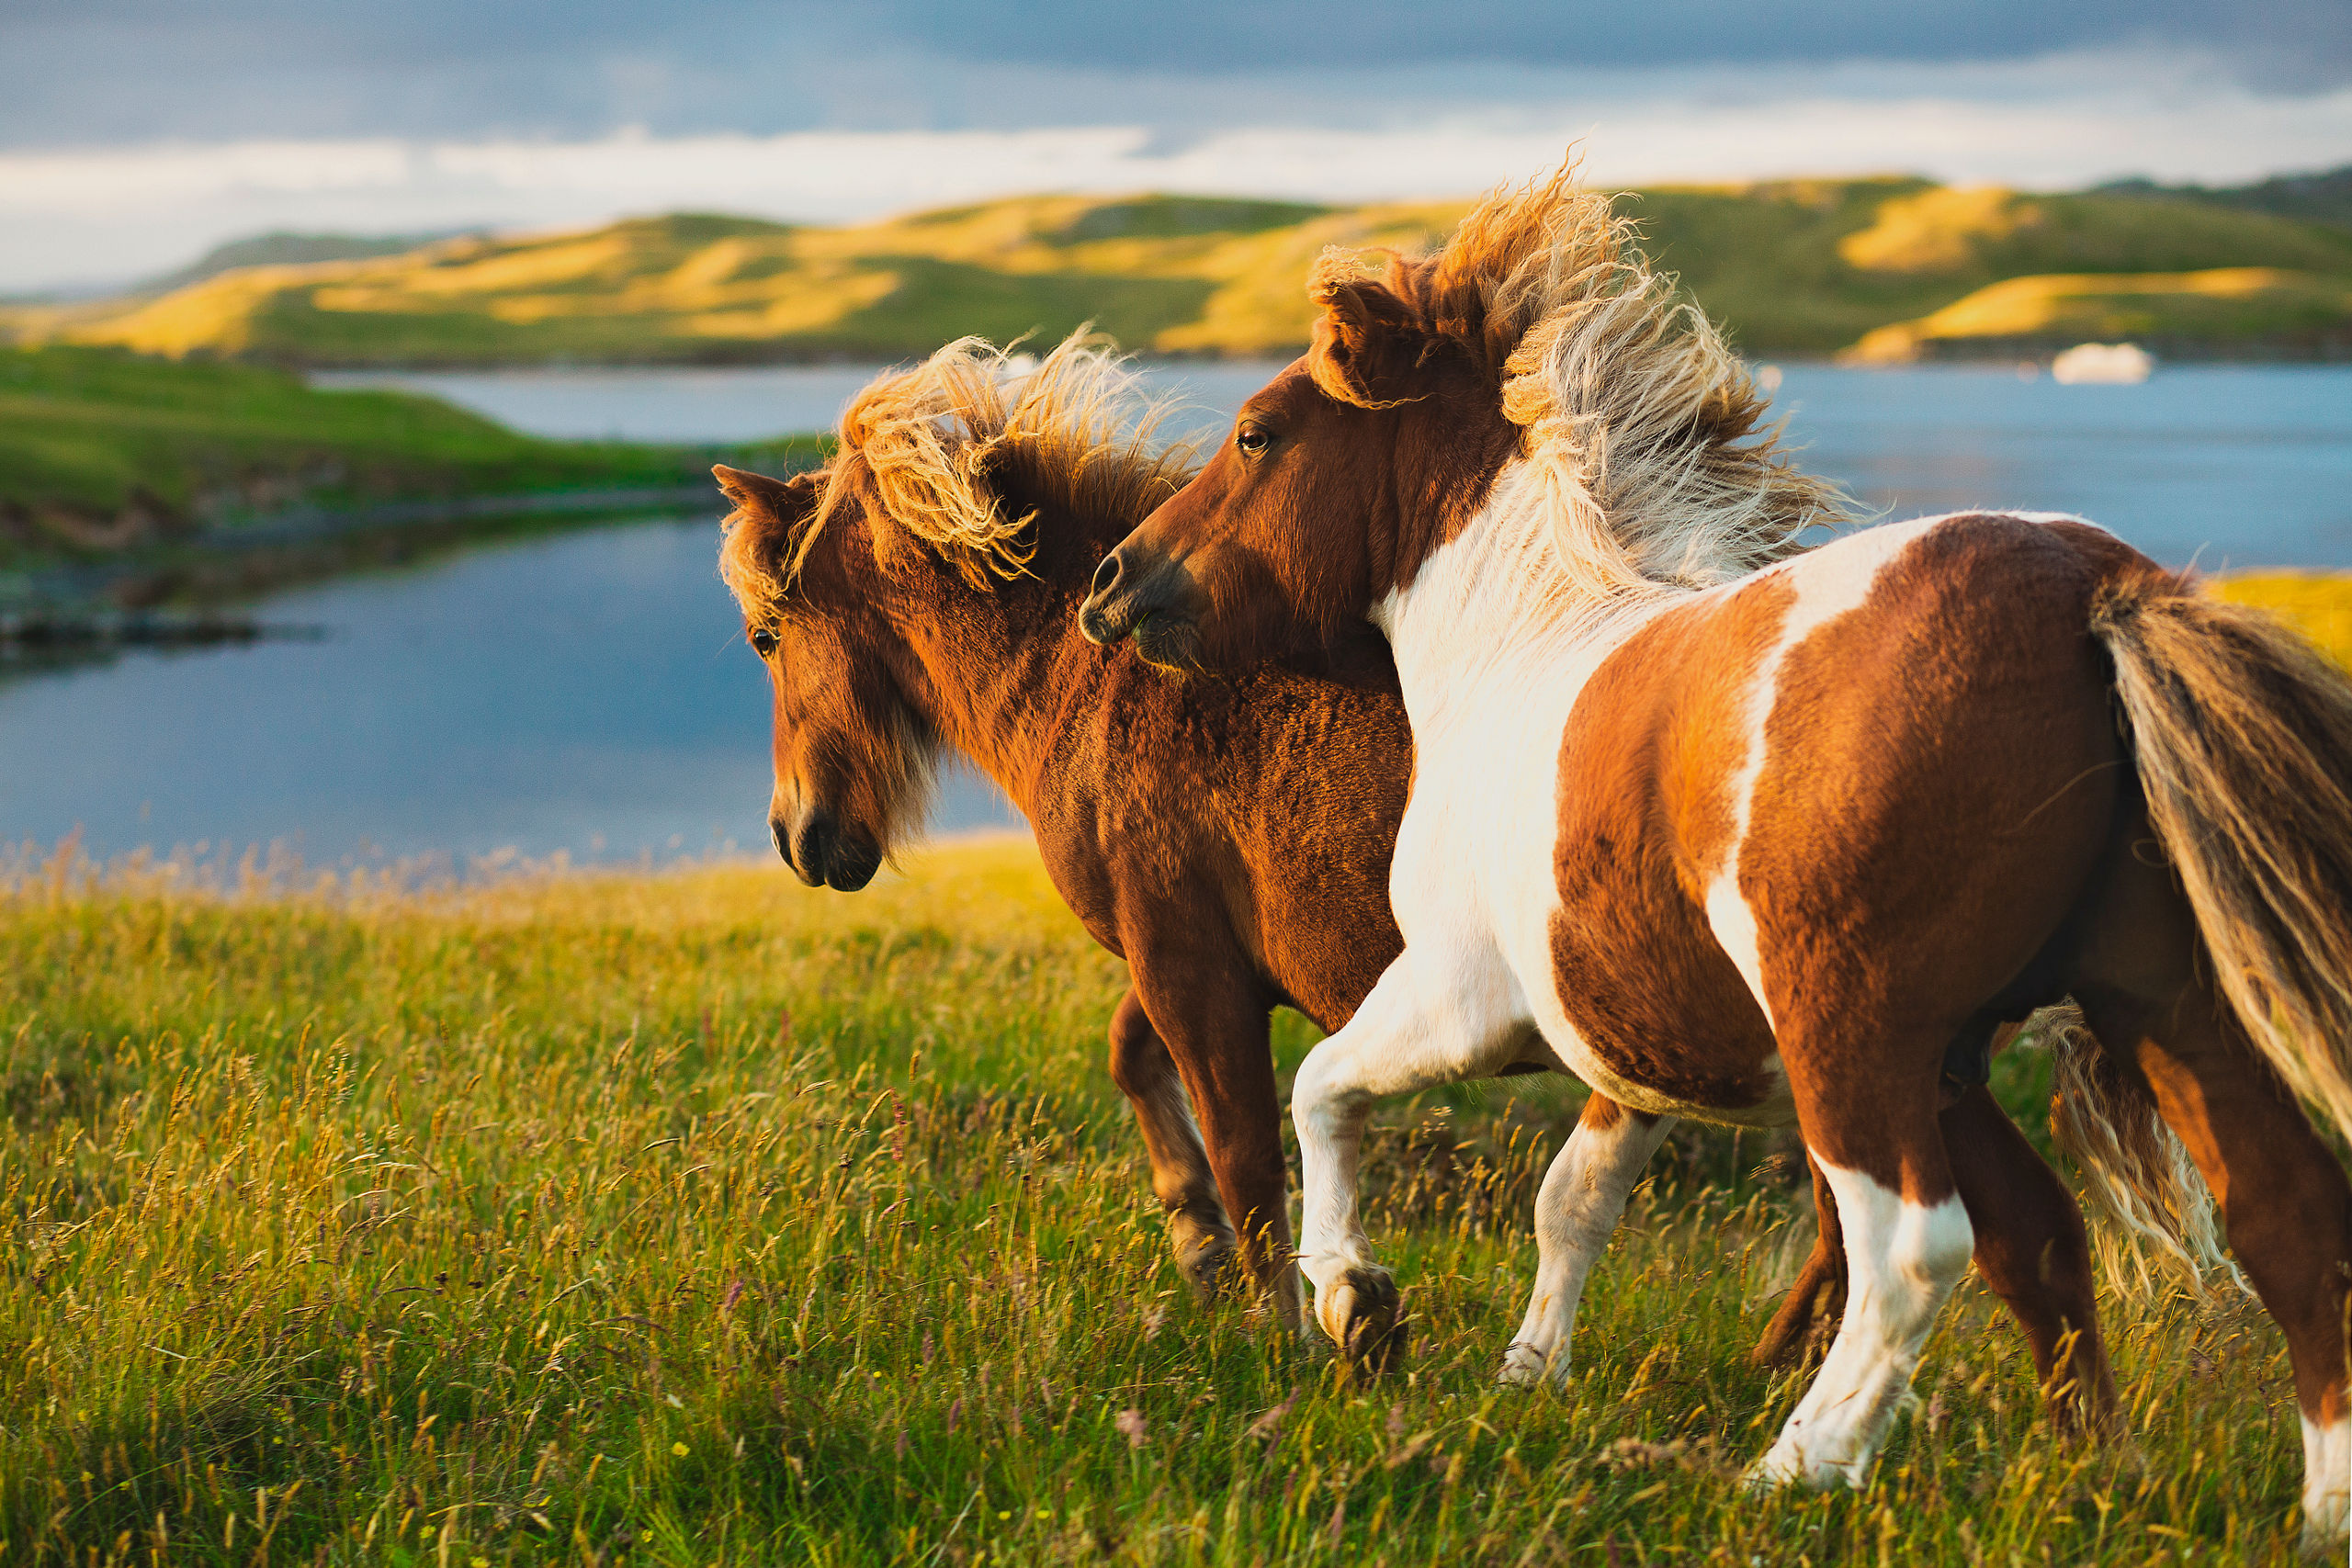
(135, 133)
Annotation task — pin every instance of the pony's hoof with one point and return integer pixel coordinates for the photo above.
(2324, 1527)
(1789, 1467)
(1363, 1313)
(1524, 1366)
(1206, 1264)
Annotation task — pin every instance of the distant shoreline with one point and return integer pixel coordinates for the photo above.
(305, 543)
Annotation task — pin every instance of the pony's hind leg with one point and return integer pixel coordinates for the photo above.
(1819, 1292)
(2285, 1204)
(2032, 1249)
(1582, 1196)
(1907, 1243)
(1420, 1026)
(1180, 1176)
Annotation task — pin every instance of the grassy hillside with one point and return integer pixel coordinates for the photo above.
(1793, 267)
(2322, 196)
(102, 451)
(2316, 603)
(706, 1219)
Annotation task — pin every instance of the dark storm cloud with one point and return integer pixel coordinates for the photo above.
(1229, 34)
(100, 72)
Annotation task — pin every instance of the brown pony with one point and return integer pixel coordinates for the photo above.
(1789, 844)
(1228, 839)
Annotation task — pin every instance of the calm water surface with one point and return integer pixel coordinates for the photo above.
(589, 695)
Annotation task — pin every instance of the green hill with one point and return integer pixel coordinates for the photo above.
(281, 247)
(1792, 267)
(105, 454)
(2323, 196)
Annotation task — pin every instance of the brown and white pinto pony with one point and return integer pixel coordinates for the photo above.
(1788, 844)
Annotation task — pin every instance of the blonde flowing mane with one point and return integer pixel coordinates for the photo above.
(1642, 426)
(935, 448)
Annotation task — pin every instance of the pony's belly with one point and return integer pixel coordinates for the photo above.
(1685, 1063)
(1776, 1108)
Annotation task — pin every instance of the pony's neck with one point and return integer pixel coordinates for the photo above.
(1496, 601)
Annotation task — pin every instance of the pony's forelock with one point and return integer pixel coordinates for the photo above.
(932, 453)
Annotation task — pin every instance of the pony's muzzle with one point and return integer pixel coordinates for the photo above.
(1126, 594)
(1102, 618)
(823, 854)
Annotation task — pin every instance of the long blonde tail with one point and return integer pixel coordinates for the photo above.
(2242, 733)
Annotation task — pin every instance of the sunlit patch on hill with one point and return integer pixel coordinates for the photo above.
(2316, 603)
(2245, 304)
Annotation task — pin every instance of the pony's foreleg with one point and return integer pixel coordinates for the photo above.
(1582, 1196)
(1180, 1176)
(1422, 1025)
(1206, 1004)
(1907, 1243)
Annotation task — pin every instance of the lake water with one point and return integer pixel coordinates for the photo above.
(588, 693)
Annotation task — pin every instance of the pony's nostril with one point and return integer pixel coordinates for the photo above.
(1106, 576)
(782, 844)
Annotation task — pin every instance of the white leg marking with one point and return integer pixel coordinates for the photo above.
(1583, 1194)
(1415, 1029)
(1902, 1260)
(2327, 1484)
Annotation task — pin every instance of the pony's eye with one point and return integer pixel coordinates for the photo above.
(763, 641)
(1251, 440)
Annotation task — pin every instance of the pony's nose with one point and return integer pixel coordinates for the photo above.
(1106, 576)
(783, 840)
(1094, 622)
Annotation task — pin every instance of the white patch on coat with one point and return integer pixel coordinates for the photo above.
(1828, 583)
(1902, 1259)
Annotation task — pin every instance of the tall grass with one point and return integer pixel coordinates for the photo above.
(698, 1218)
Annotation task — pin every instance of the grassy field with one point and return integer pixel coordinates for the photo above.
(696, 1217)
(102, 451)
(1792, 267)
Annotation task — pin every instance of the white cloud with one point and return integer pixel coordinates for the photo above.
(105, 214)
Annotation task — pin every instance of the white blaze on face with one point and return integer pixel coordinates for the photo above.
(1902, 1260)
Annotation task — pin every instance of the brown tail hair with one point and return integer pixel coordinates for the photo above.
(2241, 732)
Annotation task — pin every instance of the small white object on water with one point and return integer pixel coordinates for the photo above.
(2102, 365)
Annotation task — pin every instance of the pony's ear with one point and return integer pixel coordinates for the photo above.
(1366, 342)
(782, 499)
